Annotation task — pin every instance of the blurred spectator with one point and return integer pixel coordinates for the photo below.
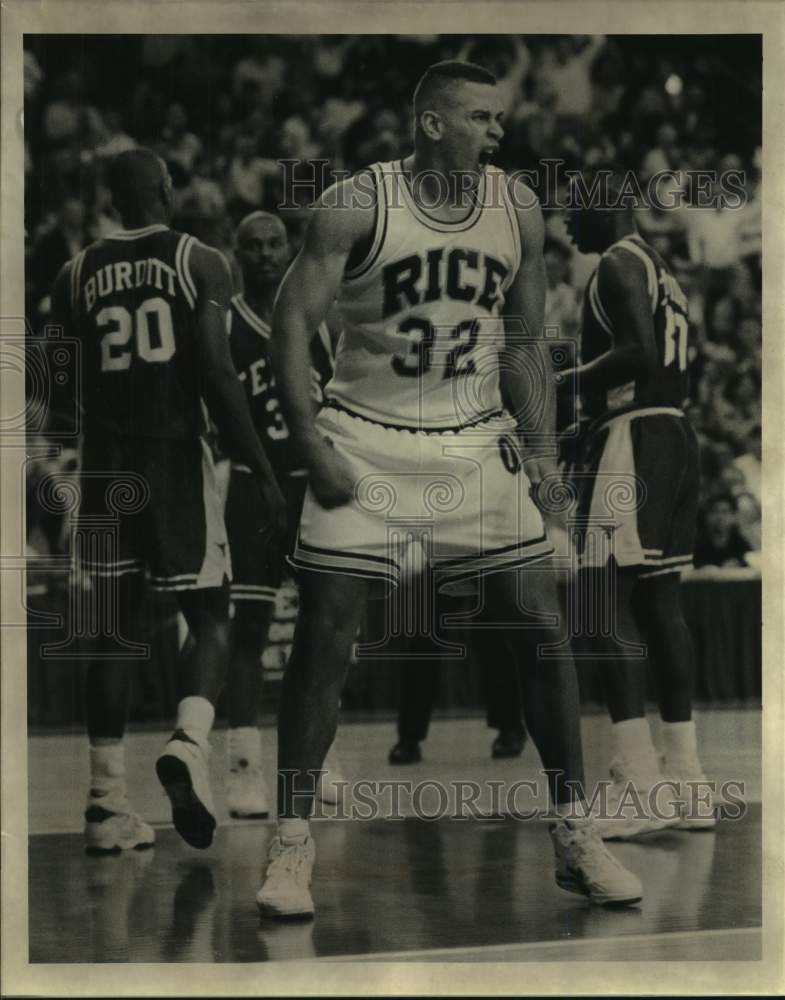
(561, 300)
(52, 249)
(718, 541)
(178, 144)
(246, 175)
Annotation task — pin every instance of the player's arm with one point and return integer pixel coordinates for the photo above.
(221, 387)
(526, 366)
(623, 290)
(304, 300)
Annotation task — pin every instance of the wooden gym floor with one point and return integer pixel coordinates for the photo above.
(407, 889)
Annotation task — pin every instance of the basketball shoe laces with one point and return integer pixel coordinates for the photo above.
(590, 854)
(289, 862)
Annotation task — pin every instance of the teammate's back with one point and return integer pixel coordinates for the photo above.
(133, 299)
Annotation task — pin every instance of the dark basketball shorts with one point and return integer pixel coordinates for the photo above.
(151, 505)
(258, 556)
(637, 478)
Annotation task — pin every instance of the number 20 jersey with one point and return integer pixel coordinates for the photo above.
(133, 299)
(422, 313)
(668, 383)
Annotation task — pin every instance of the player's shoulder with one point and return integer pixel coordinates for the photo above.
(346, 211)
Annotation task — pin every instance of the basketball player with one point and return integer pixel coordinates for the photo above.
(633, 382)
(413, 425)
(262, 251)
(148, 305)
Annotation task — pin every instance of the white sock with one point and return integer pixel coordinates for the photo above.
(244, 746)
(107, 769)
(195, 717)
(680, 743)
(293, 831)
(631, 742)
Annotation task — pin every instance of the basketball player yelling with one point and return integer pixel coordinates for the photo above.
(436, 265)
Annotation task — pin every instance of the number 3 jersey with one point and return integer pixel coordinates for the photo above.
(422, 313)
(668, 383)
(133, 299)
(249, 342)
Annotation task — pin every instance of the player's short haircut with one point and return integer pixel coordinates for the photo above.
(134, 178)
(440, 75)
(258, 215)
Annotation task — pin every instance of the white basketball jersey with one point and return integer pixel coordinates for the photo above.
(422, 313)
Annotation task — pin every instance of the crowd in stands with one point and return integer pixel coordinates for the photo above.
(223, 111)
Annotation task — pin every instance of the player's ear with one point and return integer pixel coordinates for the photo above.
(431, 125)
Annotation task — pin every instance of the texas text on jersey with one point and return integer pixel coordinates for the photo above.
(132, 300)
(668, 384)
(249, 342)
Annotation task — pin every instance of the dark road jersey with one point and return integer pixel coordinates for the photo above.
(249, 341)
(668, 384)
(133, 300)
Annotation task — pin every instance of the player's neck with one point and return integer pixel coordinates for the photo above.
(143, 220)
(623, 228)
(437, 181)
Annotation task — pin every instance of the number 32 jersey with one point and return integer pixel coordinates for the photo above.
(422, 313)
(668, 384)
(133, 299)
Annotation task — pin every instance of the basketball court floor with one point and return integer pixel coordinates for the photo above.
(408, 888)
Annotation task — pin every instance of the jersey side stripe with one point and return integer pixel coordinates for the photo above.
(380, 229)
(651, 274)
(178, 264)
(599, 313)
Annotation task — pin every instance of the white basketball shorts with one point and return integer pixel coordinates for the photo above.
(461, 495)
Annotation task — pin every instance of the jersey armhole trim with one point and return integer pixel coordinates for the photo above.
(182, 266)
(76, 277)
(651, 273)
(380, 229)
(596, 305)
(514, 225)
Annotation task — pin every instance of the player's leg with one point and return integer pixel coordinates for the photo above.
(502, 691)
(110, 822)
(246, 790)
(672, 655)
(187, 556)
(256, 576)
(331, 611)
(549, 688)
(419, 682)
(182, 768)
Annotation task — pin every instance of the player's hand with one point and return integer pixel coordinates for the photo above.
(274, 505)
(543, 474)
(330, 475)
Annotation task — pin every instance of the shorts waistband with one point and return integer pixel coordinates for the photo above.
(484, 419)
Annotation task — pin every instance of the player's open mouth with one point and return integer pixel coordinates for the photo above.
(486, 155)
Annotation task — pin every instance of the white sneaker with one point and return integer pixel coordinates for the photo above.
(584, 865)
(246, 793)
(182, 770)
(285, 889)
(635, 804)
(332, 783)
(697, 796)
(111, 825)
